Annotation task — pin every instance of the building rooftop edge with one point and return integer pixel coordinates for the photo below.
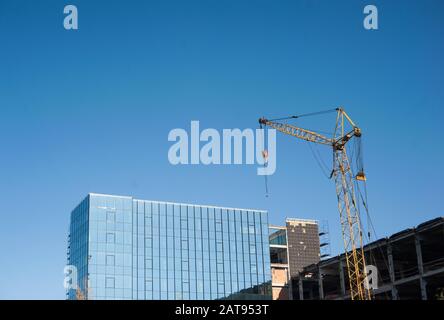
(302, 220)
(177, 203)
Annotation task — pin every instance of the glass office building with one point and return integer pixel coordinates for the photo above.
(124, 248)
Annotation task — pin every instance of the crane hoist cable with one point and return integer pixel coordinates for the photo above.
(265, 157)
(317, 156)
(319, 161)
(305, 115)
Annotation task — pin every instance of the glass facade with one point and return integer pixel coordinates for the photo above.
(126, 248)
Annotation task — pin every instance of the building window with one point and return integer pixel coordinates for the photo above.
(110, 238)
(110, 260)
(110, 216)
(109, 283)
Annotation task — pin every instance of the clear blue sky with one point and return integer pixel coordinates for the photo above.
(90, 111)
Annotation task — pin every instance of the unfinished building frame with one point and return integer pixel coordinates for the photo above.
(410, 265)
(292, 247)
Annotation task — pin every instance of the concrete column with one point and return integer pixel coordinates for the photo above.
(423, 285)
(290, 290)
(290, 284)
(342, 277)
(419, 255)
(301, 289)
(289, 278)
(320, 284)
(422, 281)
(392, 272)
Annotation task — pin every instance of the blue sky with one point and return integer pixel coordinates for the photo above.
(90, 111)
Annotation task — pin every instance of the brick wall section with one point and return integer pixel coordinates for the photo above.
(280, 293)
(279, 276)
(303, 245)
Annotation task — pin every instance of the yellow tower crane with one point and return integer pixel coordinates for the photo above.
(345, 191)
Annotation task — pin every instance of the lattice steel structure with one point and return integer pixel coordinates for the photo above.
(345, 190)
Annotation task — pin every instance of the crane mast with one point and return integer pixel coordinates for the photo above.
(345, 191)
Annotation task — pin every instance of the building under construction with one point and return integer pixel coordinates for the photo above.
(410, 265)
(292, 247)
